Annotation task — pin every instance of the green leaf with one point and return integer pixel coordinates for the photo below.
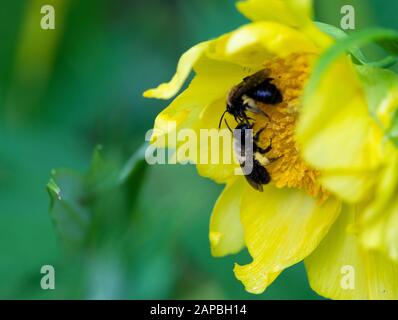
(102, 174)
(381, 86)
(338, 34)
(89, 209)
(131, 168)
(53, 190)
(71, 219)
(133, 175)
(392, 133)
(389, 44)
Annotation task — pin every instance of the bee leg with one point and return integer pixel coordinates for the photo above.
(264, 151)
(241, 116)
(263, 113)
(257, 136)
(266, 114)
(246, 118)
(271, 160)
(261, 150)
(226, 123)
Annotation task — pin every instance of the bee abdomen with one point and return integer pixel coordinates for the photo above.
(266, 93)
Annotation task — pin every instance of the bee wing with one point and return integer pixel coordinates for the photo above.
(248, 83)
(257, 186)
(257, 78)
(250, 178)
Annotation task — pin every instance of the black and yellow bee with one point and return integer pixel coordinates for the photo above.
(243, 97)
(256, 173)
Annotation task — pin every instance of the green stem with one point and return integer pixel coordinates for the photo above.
(385, 63)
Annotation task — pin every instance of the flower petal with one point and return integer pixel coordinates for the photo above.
(337, 134)
(293, 13)
(226, 231)
(341, 269)
(212, 82)
(257, 42)
(378, 224)
(382, 233)
(184, 68)
(253, 44)
(199, 108)
(349, 186)
(218, 161)
(219, 65)
(282, 226)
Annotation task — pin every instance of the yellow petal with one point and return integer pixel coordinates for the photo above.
(218, 160)
(219, 65)
(337, 134)
(349, 186)
(382, 233)
(184, 68)
(252, 44)
(293, 13)
(198, 108)
(212, 82)
(226, 231)
(378, 224)
(341, 269)
(281, 226)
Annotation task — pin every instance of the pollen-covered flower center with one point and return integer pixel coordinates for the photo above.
(278, 127)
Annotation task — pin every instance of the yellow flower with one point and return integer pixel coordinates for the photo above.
(342, 134)
(301, 214)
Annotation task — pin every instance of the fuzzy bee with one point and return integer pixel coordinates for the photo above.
(255, 173)
(243, 97)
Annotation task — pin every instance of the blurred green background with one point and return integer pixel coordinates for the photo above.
(63, 92)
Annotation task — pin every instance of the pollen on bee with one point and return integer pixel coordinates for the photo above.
(262, 159)
(250, 102)
(289, 170)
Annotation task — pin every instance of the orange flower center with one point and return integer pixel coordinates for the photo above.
(289, 170)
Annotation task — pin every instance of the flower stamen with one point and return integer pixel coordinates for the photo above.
(289, 169)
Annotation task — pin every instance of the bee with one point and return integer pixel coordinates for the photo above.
(257, 175)
(243, 97)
